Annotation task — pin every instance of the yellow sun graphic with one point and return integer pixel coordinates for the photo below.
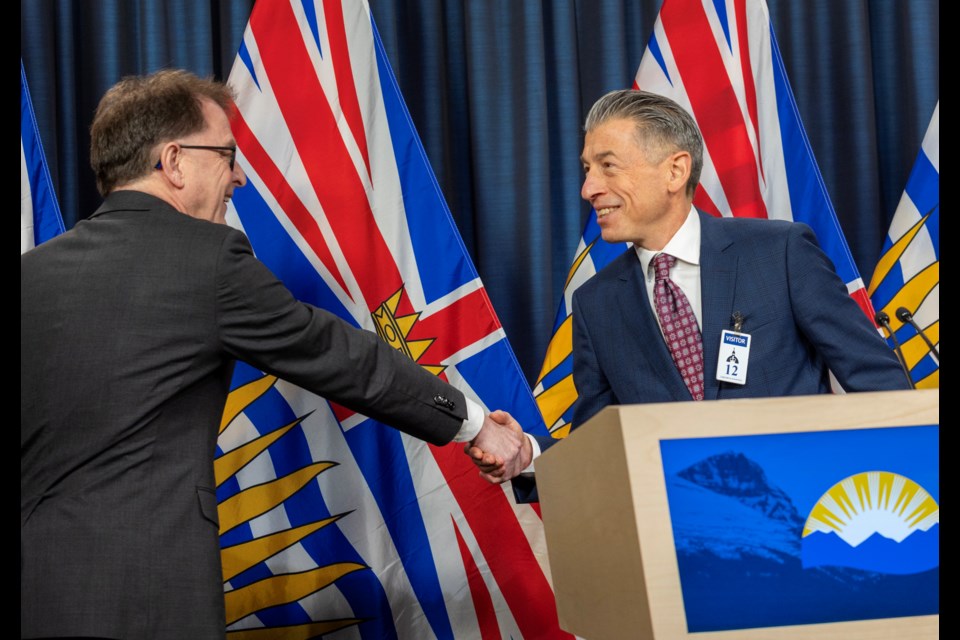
(873, 502)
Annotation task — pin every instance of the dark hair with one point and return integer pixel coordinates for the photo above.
(140, 112)
(662, 125)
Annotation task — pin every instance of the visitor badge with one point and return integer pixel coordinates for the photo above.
(734, 356)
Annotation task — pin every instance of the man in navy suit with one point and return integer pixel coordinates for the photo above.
(766, 281)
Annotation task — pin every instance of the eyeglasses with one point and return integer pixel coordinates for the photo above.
(232, 150)
(232, 158)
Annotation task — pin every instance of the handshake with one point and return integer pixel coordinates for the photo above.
(501, 450)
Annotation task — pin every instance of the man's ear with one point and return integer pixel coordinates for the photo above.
(170, 158)
(679, 164)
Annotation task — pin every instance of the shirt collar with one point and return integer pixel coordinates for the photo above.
(684, 245)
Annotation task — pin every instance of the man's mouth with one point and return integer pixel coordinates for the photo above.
(603, 211)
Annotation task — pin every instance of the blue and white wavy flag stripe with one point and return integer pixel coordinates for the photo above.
(40, 217)
(554, 390)
(908, 272)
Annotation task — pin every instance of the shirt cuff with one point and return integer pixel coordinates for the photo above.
(530, 471)
(472, 425)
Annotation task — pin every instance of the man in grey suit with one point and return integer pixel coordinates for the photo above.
(652, 326)
(130, 324)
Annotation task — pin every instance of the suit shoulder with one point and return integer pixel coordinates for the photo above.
(195, 226)
(760, 234)
(36, 253)
(758, 227)
(608, 275)
(197, 236)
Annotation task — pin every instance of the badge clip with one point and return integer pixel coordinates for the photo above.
(737, 318)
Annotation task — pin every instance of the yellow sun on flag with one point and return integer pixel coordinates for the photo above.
(873, 502)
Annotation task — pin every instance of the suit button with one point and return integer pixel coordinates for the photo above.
(443, 401)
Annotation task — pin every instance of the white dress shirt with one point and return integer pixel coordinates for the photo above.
(472, 425)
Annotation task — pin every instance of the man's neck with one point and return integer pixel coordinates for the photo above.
(658, 238)
(683, 245)
(155, 189)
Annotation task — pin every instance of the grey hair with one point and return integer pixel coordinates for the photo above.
(662, 125)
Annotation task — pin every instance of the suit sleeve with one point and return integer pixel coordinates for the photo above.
(260, 322)
(593, 389)
(593, 393)
(831, 320)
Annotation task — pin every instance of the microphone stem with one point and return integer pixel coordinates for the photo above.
(885, 322)
(904, 315)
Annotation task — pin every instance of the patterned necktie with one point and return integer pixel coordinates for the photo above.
(679, 326)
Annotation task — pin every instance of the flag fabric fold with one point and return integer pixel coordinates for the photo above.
(907, 275)
(718, 59)
(40, 217)
(330, 521)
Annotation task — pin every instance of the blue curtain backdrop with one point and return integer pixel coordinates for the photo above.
(498, 90)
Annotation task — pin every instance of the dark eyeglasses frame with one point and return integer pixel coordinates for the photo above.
(232, 150)
(232, 158)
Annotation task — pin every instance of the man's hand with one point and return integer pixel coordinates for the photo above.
(501, 450)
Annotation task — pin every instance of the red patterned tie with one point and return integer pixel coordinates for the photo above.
(679, 326)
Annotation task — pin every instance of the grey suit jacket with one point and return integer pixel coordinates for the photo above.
(130, 324)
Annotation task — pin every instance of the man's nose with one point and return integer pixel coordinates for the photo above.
(239, 177)
(592, 186)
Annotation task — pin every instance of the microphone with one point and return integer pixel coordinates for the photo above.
(884, 320)
(904, 316)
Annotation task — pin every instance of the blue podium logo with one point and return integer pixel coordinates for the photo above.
(876, 521)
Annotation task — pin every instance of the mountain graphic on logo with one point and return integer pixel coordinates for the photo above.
(920, 551)
(731, 510)
(748, 558)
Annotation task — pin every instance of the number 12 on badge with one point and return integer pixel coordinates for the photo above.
(734, 357)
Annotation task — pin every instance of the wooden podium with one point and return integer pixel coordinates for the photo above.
(607, 517)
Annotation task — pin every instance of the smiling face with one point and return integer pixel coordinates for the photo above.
(208, 180)
(639, 195)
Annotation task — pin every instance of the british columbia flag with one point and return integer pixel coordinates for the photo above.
(40, 217)
(907, 277)
(719, 60)
(330, 522)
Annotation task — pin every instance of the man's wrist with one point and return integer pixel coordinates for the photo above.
(534, 453)
(472, 425)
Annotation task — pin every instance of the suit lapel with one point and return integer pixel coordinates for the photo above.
(635, 310)
(718, 285)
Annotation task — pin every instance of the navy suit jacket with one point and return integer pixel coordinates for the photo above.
(797, 310)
